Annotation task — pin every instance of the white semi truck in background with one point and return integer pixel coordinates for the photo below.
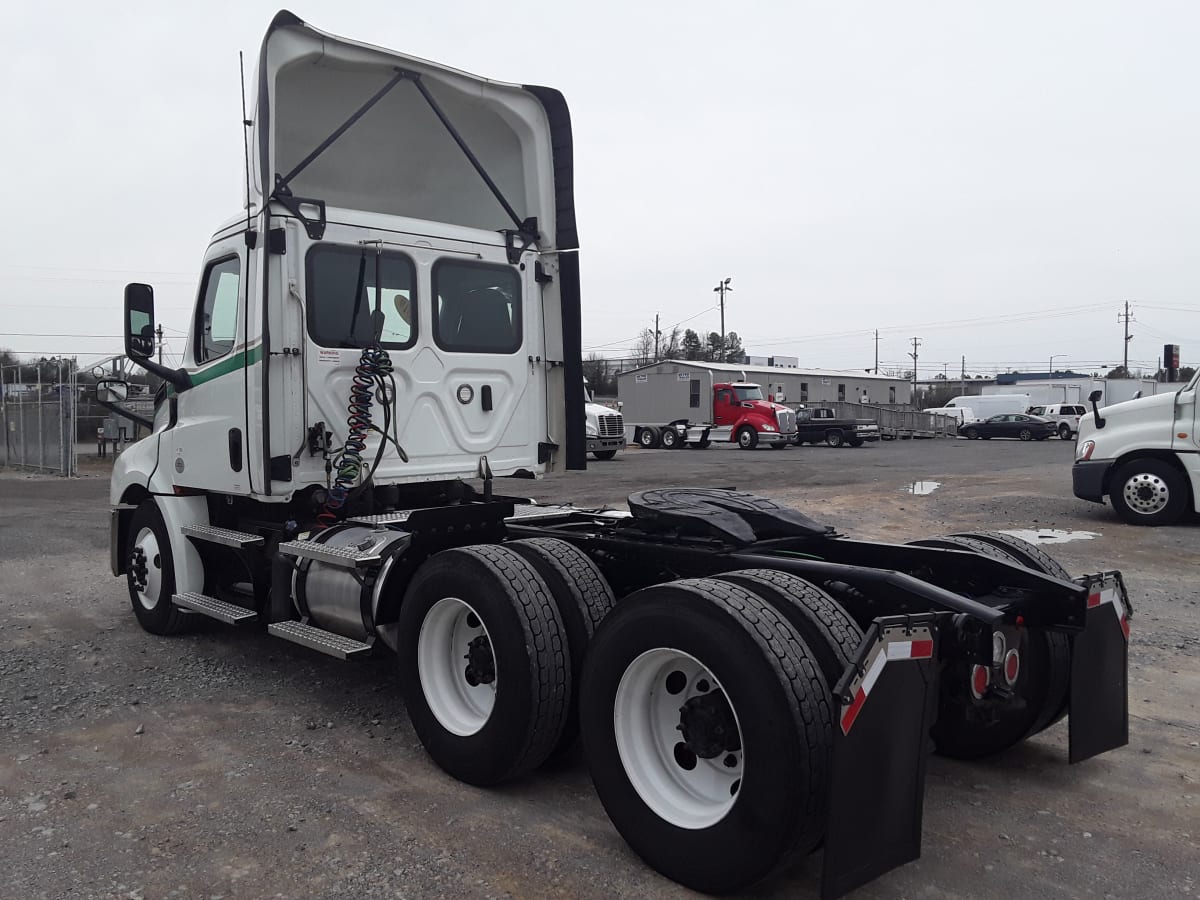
(1143, 454)
(394, 324)
(604, 426)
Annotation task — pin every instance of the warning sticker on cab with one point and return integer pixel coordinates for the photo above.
(332, 357)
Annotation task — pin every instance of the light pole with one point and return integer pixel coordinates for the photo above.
(721, 288)
(1053, 357)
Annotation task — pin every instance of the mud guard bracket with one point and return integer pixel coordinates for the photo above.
(1099, 716)
(885, 705)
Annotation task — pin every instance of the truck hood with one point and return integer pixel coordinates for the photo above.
(1144, 422)
(767, 406)
(398, 158)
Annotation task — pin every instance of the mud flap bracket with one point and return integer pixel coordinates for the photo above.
(1099, 716)
(885, 705)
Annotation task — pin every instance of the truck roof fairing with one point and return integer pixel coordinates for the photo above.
(409, 151)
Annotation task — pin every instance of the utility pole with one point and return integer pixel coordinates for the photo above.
(963, 376)
(721, 288)
(876, 351)
(916, 344)
(657, 334)
(159, 333)
(1126, 317)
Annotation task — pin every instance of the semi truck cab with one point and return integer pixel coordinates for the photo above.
(1143, 454)
(750, 418)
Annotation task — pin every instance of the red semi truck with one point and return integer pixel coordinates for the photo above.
(671, 411)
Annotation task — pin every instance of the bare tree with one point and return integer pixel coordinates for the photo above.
(673, 347)
(643, 349)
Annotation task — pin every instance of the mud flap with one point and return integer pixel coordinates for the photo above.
(885, 704)
(1099, 713)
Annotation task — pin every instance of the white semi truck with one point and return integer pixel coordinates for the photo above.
(1143, 454)
(604, 427)
(394, 324)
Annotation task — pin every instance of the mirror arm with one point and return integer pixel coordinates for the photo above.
(177, 378)
(126, 413)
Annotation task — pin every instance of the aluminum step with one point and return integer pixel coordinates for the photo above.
(225, 536)
(318, 639)
(334, 556)
(229, 613)
(397, 517)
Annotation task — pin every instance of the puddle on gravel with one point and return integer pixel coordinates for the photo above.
(921, 487)
(1050, 535)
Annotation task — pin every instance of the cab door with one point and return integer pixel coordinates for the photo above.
(724, 412)
(206, 447)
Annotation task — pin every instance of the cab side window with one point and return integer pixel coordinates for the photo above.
(217, 311)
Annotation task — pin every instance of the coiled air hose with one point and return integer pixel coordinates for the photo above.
(371, 378)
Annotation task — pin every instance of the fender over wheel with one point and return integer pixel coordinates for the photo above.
(707, 730)
(484, 664)
(150, 573)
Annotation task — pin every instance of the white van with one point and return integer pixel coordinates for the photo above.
(984, 406)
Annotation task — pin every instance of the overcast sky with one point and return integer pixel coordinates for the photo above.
(994, 178)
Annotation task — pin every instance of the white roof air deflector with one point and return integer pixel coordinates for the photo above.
(347, 125)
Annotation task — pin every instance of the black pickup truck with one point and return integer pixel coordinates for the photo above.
(819, 424)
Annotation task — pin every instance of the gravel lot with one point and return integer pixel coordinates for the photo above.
(229, 764)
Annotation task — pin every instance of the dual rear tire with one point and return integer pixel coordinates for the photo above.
(704, 705)
(707, 726)
(492, 644)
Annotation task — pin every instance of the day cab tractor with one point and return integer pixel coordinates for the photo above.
(393, 326)
(739, 413)
(1143, 454)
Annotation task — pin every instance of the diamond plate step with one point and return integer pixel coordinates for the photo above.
(391, 518)
(226, 536)
(318, 639)
(334, 556)
(228, 613)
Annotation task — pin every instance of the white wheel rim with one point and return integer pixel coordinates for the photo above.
(646, 720)
(1146, 493)
(744, 440)
(147, 543)
(443, 646)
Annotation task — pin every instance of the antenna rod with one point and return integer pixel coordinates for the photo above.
(246, 123)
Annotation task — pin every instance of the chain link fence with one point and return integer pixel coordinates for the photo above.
(39, 419)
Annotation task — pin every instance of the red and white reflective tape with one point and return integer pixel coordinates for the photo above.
(896, 643)
(1102, 593)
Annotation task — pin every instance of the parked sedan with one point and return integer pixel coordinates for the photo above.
(1023, 427)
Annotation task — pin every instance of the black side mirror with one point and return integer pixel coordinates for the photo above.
(139, 336)
(1094, 396)
(112, 391)
(139, 321)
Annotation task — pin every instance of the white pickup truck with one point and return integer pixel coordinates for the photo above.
(1144, 454)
